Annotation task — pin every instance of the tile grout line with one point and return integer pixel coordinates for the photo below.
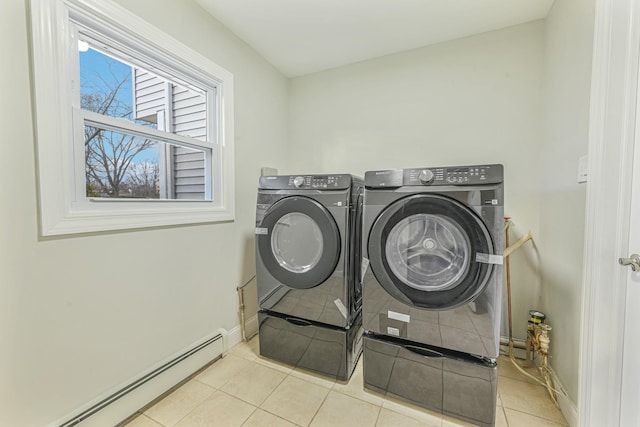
(279, 416)
(255, 408)
(547, 398)
(188, 413)
(504, 414)
(378, 415)
(536, 416)
(319, 407)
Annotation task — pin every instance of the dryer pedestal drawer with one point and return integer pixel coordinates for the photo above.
(300, 343)
(421, 375)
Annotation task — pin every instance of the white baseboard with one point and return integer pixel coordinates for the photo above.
(567, 406)
(252, 326)
(235, 333)
(126, 399)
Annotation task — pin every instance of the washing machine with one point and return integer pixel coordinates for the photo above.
(307, 248)
(432, 244)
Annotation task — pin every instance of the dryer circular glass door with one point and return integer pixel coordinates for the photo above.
(422, 250)
(301, 247)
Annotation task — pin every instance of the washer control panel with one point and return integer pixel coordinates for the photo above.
(319, 182)
(452, 175)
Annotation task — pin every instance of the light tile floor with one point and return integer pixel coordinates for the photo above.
(243, 389)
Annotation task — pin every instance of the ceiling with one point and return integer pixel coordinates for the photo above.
(305, 36)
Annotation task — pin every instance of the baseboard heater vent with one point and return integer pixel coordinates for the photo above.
(124, 402)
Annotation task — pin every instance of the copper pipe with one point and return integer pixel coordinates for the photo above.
(240, 290)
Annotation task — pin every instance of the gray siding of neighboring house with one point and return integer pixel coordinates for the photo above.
(187, 116)
(149, 95)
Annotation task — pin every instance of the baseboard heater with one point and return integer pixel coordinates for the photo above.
(123, 403)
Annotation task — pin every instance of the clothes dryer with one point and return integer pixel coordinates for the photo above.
(432, 245)
(307, 248)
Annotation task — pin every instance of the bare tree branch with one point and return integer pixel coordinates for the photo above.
(111, 158)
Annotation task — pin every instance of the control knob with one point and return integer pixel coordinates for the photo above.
(426, 176)
(298, 181)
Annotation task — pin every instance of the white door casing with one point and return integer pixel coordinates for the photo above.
(629, 408)
(612, 131)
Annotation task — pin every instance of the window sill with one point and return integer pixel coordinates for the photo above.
(92, 221)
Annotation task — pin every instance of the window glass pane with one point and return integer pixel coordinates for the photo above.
(110, 85)
(119, 165)
(106, 86)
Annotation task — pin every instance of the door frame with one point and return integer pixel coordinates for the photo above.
(611, 141)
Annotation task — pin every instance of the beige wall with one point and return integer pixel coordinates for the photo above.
(518, 96)
(470, 101)
(81, 314)
(567, 75)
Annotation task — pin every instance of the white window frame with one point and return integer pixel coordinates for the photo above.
(64, 206)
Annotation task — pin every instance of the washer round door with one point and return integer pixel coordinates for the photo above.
(423, 248)
(301, 247)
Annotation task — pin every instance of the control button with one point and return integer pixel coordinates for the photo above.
(298, 181)
(426, 176)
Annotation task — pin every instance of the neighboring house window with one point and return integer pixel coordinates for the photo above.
(133, 128)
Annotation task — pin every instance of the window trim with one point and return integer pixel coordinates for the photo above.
(62, 211)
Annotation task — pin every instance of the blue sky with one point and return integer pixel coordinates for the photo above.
(96, 67)
(102, 72)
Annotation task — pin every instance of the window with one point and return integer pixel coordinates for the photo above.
(133, 128)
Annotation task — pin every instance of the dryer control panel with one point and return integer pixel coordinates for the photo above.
(450, 175)
(319, 182)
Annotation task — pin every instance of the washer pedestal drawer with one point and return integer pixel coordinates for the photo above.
(303, 344)
(433, 379)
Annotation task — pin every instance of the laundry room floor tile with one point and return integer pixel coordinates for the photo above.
(143, 421)
(501, 418)
(313, 377)
(218, 410)
(223, 370)
(506, 369)
(254, 384)
(245, 389)
(296, 400)
(339, 410)
(274, 364)
(262, 418)
(521, 419)
(388, 418)
(178, 404)
(249, 351)
(528, 398)
(354, 387)
(424, 415)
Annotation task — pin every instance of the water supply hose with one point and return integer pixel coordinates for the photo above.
(544, 341)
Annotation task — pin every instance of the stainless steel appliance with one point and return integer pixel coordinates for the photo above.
(307, 248)
(432, 244)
